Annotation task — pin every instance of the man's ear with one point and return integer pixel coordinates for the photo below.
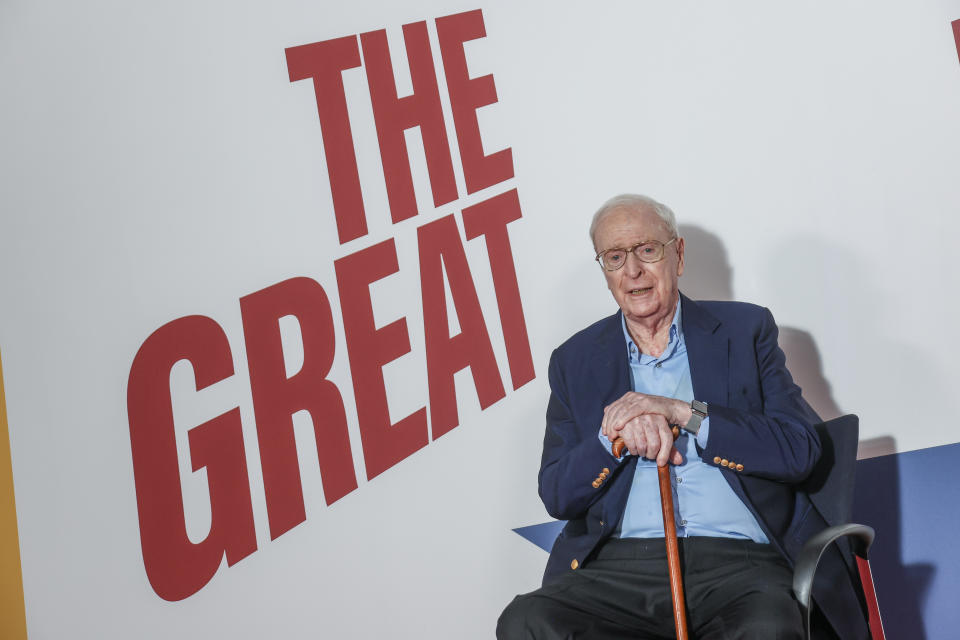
(680, 247)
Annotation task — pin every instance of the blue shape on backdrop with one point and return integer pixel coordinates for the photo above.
(542, 535)
(911, 499)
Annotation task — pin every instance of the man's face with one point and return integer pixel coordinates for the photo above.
(647, 292)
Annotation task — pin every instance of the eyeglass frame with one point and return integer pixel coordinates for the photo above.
(630, 250)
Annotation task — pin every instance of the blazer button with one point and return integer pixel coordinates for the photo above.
(596, 484)
(574, 564)
(605, 470)
(724, 462)
(739, 467)
(716, 460)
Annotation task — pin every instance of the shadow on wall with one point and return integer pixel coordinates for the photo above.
(875, 447)
(901, 588)
(708, 276)
(806, 367)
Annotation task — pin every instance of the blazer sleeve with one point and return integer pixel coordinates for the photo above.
(574, 459)
(772, 435)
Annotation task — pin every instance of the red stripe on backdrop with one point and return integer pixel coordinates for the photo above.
(956, 35)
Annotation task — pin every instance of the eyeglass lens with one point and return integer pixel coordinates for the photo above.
(646, 251)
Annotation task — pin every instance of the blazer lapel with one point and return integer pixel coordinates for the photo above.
(611, 374)
(708, 351)
(610, 379)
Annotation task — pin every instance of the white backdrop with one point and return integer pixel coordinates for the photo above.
(157, 163)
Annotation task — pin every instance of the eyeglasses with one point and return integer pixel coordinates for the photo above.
(646, 251)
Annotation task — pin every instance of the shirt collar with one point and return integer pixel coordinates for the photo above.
(676, 341)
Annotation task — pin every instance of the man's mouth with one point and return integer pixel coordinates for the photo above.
(639, 292)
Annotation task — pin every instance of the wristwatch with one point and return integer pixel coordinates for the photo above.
(700, 412)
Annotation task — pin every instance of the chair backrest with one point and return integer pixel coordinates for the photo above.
(830, 487)
(831, 484)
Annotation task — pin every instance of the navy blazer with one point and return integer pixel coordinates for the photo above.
(758, 419)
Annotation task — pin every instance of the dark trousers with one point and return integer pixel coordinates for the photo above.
(733, 589)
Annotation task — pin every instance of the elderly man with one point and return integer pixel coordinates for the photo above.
(714, 369)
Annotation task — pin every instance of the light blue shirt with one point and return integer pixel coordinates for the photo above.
(704, 504)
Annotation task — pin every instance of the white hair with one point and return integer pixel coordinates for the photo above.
(636, 202)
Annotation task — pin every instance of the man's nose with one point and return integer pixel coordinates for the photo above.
(634, 265)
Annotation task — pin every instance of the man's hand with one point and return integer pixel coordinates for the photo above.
(633, 404)
(643, 421)
(649, 436)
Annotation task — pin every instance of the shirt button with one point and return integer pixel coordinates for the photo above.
(683, 523)
(659, 364)
(679, 480)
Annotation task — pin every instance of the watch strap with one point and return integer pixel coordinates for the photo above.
(699, 411)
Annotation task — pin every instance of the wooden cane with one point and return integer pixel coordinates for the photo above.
(670, 536)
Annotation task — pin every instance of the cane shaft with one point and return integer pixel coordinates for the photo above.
(673, 552)
(670, 536)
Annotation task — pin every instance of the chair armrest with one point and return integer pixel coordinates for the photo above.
(806, 565)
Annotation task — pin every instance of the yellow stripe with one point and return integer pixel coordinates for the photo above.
(13, 619)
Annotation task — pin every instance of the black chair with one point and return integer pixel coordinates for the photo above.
(830, 487)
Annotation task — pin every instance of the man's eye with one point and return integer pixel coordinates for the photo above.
(648, 249)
